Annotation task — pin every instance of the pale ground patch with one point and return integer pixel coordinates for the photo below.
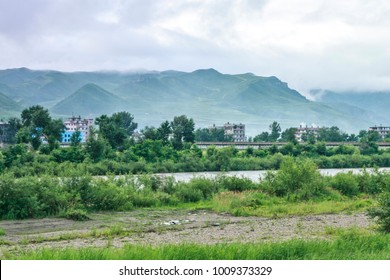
(156, 227)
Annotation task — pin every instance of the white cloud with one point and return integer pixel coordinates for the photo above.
(308, 43)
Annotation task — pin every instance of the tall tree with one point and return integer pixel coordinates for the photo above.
(164, 131)
(262, 137)
(38, 125)
(75, 138)
(275, 131)
(289, 135)
(117, 128)
(183, 131)
(150, 133)
(125, 120)
(331, 134)
(212, 135)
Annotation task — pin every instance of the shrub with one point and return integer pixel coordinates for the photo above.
(186, 193)
(17, 199)
(235, 183)
(373, 183)
(105, 195)
(207, 187)
(76, 215)
(295, 178)
(382, 212)
(346, 183)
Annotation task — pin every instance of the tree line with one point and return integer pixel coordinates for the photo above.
(113, 148)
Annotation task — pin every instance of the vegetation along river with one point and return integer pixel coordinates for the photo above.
(255, 175)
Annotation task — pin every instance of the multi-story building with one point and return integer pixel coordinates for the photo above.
(74, 124)
(382, 130)
(305, 129)
(4, 133)
(237, 131)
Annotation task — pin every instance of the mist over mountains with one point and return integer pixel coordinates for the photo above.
(206, 95)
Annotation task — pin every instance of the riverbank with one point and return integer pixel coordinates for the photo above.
(163, 227)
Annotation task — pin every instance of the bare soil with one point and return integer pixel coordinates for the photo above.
(155, 227)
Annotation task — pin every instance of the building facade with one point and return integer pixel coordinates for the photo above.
(74, 124)
(4, 133)
(237, 131)
(383, 131)
(304, 129)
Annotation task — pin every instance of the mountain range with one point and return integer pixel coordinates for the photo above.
(206, 95)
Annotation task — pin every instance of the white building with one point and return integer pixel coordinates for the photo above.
(382, 130)
(237, 131)
(305, 129)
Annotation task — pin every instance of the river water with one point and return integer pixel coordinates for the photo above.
(257, 174)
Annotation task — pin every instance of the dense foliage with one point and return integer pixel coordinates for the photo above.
(296, 181)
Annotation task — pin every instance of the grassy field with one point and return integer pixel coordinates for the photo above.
(347, 246)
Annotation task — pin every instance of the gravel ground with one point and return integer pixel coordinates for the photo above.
(168, 227)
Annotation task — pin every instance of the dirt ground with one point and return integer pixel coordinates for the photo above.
(161, 227)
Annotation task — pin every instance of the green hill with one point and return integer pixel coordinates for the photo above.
(208, 96)
(8, 107)
(89, 100)
(7, 103)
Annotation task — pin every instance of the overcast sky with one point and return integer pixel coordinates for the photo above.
(328, 44)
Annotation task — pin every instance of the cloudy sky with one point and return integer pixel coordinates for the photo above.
(328, 44)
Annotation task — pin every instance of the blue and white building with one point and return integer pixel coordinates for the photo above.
(74, 124)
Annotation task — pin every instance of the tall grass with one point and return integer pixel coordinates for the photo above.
(351, 246)
(254, 203)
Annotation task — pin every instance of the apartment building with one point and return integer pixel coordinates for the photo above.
(74, 124)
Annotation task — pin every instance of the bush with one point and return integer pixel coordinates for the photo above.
(346, 183)
(18, 199)
(76, 215)
(299, 179)
(236, 183)
(382, 212)
(186, 193)
(373, 183)
(105, 195)
(207, 187)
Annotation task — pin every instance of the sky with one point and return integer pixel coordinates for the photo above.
(310, 44)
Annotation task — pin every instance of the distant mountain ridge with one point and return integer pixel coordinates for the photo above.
(206, 95)
(90, 100)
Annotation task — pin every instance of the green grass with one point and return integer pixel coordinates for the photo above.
(253, 203)
(347, 246)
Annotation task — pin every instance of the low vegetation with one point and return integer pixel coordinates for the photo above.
(349, 245)
(296, 188)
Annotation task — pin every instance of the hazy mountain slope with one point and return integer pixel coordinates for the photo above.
(8, 107)
(206, 95)
(89, 100)
(47, 86)
(6, 90)
(372, 106)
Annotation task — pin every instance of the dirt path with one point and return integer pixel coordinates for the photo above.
(161, 227)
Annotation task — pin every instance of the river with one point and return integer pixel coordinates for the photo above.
(257, 174)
